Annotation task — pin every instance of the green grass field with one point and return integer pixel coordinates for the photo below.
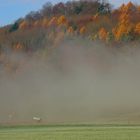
(71, 132)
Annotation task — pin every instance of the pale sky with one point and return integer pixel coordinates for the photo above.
(10, 10)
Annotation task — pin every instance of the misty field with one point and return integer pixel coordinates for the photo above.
(72, 132)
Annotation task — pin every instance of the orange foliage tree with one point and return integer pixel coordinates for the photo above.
(62, 20)
(95, 17)
(125, 27)
(82, 30)
(53, 21)
(23, 25)
(137, 28)
(102, 34)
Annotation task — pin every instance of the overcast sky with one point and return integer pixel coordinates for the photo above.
(10, 10)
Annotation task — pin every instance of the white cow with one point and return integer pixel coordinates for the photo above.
(37, 119)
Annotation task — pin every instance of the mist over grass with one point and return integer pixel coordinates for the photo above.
(78, 82)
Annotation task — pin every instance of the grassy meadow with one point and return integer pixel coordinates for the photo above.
(71, 132)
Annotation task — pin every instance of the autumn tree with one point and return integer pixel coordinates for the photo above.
(53, 21)
(62, 20)
(137, 28)
(95, 17)
(23, 25)
(122, 7)
(130, 7)
(102, 34)
(82, 30)
(125, 27)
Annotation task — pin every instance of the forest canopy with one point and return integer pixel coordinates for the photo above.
(95, 20)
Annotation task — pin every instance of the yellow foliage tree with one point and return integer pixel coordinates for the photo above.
(102, 34)
(82, 30)
(125, 26)
(137, 28)
(122, 7)
(122, 30)
(62, 20)
(53, 21)
(130, 6)
(124, 18)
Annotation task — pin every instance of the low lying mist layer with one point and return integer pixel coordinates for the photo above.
(79, 82)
